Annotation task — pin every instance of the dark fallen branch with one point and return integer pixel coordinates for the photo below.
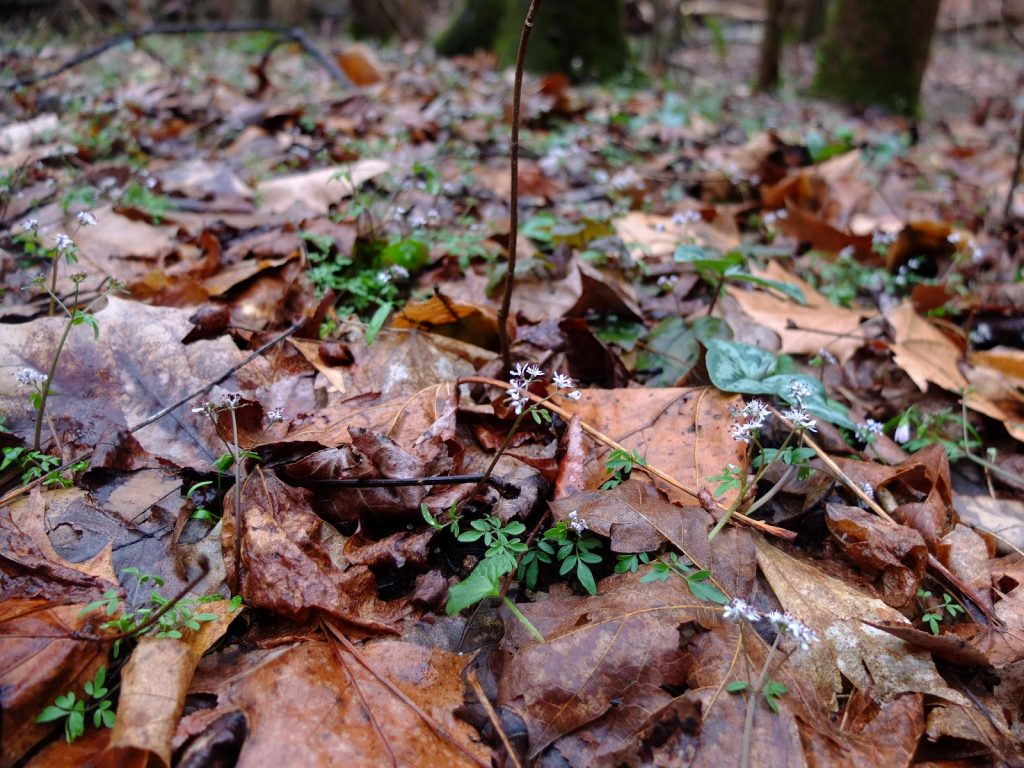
(294, 34)
(506, 489)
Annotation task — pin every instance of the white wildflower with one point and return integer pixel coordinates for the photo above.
(577, 523)
(665, 282)
(755, 412)
(517, 396)
(954, 238)
(30, 225)
(29, 377)
(869, 431)
(740, 609)
(561, 381)
(681, 219)
(86, 219)
(903, 432)
(398, 271)
(64, 243)
(574, 395)
(800, 419)
(742, 431)
(799, 389)
(275, 416)
(981, 334)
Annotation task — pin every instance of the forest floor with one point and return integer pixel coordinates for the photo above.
(773, 519)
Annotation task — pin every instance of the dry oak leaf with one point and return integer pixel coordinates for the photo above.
(896, 553)
(684, 432)
(41, 602)
(636, 519)
(316, 715)
(134, 369)
(596, 650)
(927, 355)
(293, 562)
(648, 235)
(802, 328)
(154, 682)
(867, 656)
(312, 193)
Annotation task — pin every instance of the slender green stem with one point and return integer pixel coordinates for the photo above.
(534, 632)
(504, 445)
(724, 519)
(48, 384)
(236, 589)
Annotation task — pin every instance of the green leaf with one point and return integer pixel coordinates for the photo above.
(586, 578)
(737, 685)
(50, 714)
(377, 321)
(743, 368)
(484, 581)
(408, 253)
(706, 591)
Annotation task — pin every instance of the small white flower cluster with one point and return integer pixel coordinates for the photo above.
(751, 418)
(30, 225)
(666, 282)
(772, 217)
(576, 522)
(740, 609)
(883, 239)
(274, 416)
(981, 334)
(903, 432)
(229, 403)
(29, 377)
(64, 243)
(682, 218)
(977, 254)
(800, 419)
(827, 356)
(394, 272)
(86, 219)
(783, 622)
(524, 374)
(869, 431)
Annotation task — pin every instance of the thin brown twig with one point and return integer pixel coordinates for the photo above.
(292, 33)
(435, 726)
(513, 233)
(478, 690)
(771, 530)
(11, 495)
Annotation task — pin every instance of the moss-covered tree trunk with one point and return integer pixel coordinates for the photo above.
(875, 52)
(581, 38)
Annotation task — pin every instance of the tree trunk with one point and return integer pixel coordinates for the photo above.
(813, 21)
(584, 39)
(475, 28)
(771, 45)
(875, 52)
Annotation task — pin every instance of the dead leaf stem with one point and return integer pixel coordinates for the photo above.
(513, 231)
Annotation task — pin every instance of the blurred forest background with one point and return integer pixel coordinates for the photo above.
(869, 52)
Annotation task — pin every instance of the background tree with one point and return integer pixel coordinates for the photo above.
(582, 38)
(875, 52)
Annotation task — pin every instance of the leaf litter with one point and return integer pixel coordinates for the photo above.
(678, 276)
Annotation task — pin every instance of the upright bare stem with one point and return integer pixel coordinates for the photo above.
(513, 233)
